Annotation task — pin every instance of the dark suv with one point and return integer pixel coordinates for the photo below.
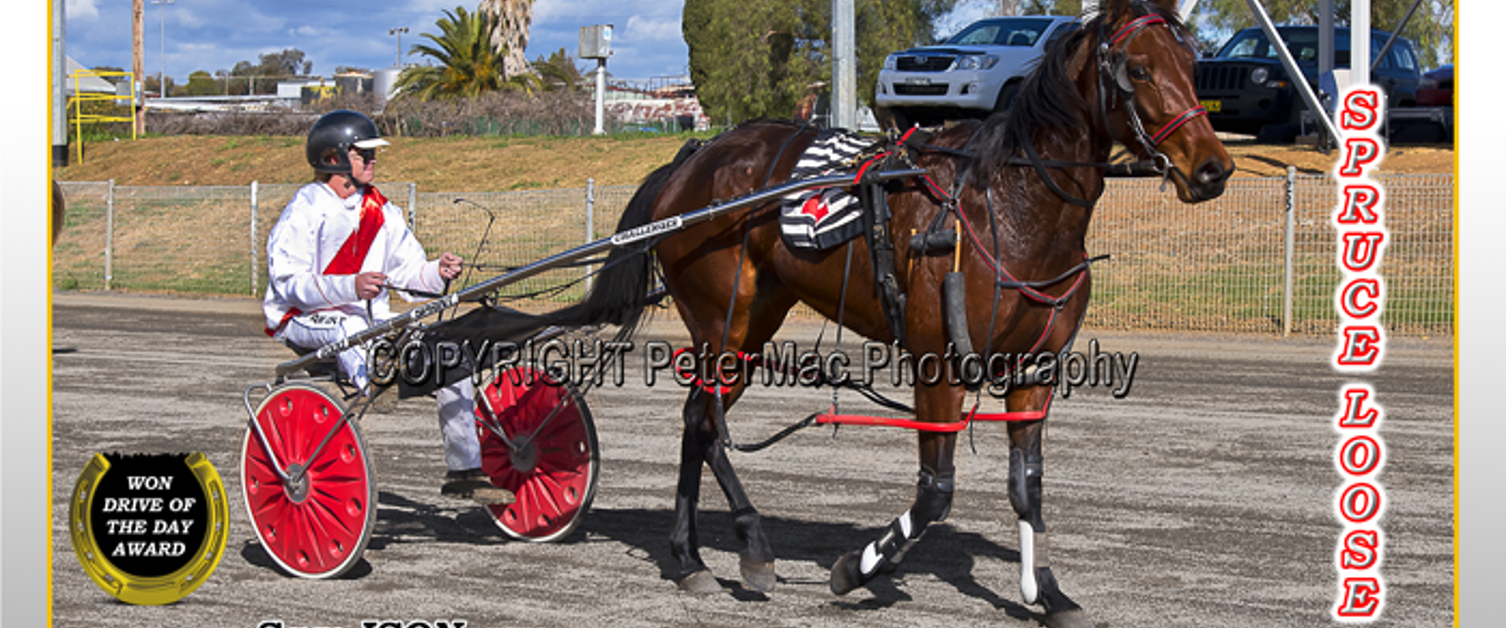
(1246, 89)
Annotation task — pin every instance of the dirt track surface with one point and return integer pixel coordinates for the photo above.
(1203, 499)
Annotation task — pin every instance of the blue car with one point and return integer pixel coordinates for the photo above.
(1245, 88)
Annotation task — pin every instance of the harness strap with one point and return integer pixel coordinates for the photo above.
(1129, 31)
(1040, 169)
(1176, 123)
(831, 417)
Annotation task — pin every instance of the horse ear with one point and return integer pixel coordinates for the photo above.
(1114, 9)
(1171, 6)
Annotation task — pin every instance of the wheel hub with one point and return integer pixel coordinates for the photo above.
(297, 485)
(524, 456)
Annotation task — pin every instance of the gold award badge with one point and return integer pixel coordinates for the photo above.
(148, 528)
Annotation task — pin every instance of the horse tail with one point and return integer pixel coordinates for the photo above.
(621, 290)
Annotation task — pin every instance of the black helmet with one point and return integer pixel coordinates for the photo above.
(335, 134)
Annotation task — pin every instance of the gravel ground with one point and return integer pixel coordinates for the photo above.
(1205, 498)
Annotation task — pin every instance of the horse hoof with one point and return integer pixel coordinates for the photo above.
(758, 575)
(845, 575)
(700, 582)
(1074, 618)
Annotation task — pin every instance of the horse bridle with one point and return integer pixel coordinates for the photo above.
(1113, 59)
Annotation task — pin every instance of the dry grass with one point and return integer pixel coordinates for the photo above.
(453, 164)
(501, 163)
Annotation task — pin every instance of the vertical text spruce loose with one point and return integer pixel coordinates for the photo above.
(1359, 456)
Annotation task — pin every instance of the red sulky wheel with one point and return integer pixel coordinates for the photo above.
(316, 524)
(552, 463)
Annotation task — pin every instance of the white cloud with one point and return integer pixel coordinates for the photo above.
(81, 10)
(645, 29)
(310, 31)
(586, 12)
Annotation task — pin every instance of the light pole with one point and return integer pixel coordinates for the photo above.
(162, 76)
(399, 32)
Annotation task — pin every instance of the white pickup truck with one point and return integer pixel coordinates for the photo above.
(973, 74)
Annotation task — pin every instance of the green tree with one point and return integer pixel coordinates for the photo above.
(202, 83)
(757, 59)
(1051, 7)
(558, 71)
(467, 63)
(1432, 27)
(261, 77)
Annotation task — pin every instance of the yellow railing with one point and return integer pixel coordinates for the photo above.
(80, 97)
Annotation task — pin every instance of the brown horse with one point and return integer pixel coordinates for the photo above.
(1024, 186)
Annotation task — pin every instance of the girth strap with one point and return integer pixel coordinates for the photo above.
(876, 217)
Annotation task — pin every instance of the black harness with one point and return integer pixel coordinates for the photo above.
(1112, 63)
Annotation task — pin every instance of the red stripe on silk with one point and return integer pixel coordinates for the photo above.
(348, 259)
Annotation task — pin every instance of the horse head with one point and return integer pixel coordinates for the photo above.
(1143, 60)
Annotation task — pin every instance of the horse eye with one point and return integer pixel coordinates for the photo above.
(1139, 74)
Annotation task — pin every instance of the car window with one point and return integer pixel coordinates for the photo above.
(981, 35)
(1303, 44)
(1007, 32)
(1246, 45)
(1063, 31)
(1376, 43)
(1404, 58)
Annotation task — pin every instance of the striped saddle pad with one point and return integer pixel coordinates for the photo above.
(821, 218)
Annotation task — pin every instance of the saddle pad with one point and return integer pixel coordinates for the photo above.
(822, 218)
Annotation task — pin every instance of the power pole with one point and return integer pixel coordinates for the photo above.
(1359, 43)
(138, 64)
(844, 89)
(59, 85)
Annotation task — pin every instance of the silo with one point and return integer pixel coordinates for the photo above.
(384, 81)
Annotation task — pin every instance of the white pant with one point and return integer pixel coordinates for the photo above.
(457, 402)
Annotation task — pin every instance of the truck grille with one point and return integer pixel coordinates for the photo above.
(923, 63)
(1214, 78)
(920, 90)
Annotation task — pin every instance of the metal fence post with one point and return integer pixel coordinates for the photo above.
(412, 207)
(109, 232)
(254, 272)
(1289, 228)
(590, 218)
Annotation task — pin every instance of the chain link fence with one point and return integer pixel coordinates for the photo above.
(1224, 265)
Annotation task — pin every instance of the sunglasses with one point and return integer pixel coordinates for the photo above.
(366, 154)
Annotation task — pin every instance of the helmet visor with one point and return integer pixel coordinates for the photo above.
(375, 142)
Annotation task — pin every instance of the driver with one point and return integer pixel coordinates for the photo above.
(337, 248)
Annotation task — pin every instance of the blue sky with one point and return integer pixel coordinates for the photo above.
(213, 35)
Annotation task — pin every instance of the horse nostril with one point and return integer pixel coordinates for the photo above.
(1210, 172)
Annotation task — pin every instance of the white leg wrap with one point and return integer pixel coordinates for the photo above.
(870, 560)
(1028, 588)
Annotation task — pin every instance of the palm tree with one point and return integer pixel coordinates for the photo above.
(467, 65)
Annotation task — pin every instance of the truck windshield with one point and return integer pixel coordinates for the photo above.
(1302, 42)
(1007, 32)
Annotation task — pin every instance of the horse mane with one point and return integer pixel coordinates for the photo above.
(1048, 105)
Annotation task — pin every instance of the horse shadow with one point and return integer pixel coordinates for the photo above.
(948, 554)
